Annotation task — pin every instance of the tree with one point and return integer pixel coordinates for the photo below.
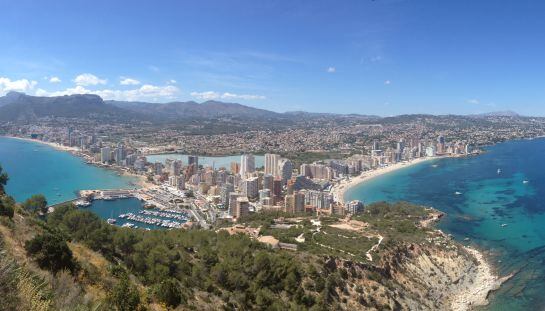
(7, 206)
(169, 293)
(3, 181)
(125, 296)
(36, 202)
(51, 252)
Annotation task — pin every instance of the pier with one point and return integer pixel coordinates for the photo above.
(51, 208)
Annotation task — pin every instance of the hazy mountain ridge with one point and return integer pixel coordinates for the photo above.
(16, 106)
(191, 109)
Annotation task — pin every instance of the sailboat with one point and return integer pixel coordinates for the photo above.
(499, 171)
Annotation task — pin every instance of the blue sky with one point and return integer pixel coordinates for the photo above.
(382, 57)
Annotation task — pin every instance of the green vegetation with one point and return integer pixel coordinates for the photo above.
(396, 221)
(243, 272)
(36, 203)
(124, 296)
(299, 158)
(51, 252)
(7, 206)
(73, 260)
(3, 181)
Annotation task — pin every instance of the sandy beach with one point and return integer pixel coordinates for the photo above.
(340, 189)
(50, 144)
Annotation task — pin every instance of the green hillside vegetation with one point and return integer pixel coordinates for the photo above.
(73, 260)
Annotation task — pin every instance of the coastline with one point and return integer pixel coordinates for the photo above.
(339, 190)
(141, 181)
(486, 280)
(47, 143)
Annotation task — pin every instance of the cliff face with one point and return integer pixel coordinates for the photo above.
(416, 277)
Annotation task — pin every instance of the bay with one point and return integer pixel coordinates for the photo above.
(499, 211)
(36, 168)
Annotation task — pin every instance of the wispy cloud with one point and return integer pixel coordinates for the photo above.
(331, 69)
(473, 101)
(211, 95)
(387, 82)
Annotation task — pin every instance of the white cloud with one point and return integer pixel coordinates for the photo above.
(210, 95)
(206, 95)
(86, 79)
(128, 81)
(387, 82)
(54, 80)
(69, 91)
(375, 59)
(22, 85)
(331, 69)
(473, 101)
(145, 92)
(172, 81)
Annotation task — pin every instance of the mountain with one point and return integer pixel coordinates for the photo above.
(18, 106)
(10, 98)
(191, 109)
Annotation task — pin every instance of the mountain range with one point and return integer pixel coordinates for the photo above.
(16, 106)
(21, 107)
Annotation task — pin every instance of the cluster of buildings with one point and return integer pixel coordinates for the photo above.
(279, 186)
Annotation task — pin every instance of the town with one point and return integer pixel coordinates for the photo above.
(218, 194)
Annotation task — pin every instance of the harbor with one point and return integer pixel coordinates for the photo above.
(149, 208)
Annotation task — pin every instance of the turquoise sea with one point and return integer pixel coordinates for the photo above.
(478, 200)
(35, 168)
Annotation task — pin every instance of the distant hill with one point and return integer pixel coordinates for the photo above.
(505, 113)
(191, 109)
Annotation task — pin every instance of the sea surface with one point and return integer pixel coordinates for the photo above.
(478, 200)
(35, 168)
(215, 162)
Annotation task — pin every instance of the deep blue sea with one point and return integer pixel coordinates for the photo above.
(478, 200)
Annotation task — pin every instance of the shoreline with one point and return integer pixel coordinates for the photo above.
(56, 146)
(339, 190)
(486, 281)
(140, 181)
